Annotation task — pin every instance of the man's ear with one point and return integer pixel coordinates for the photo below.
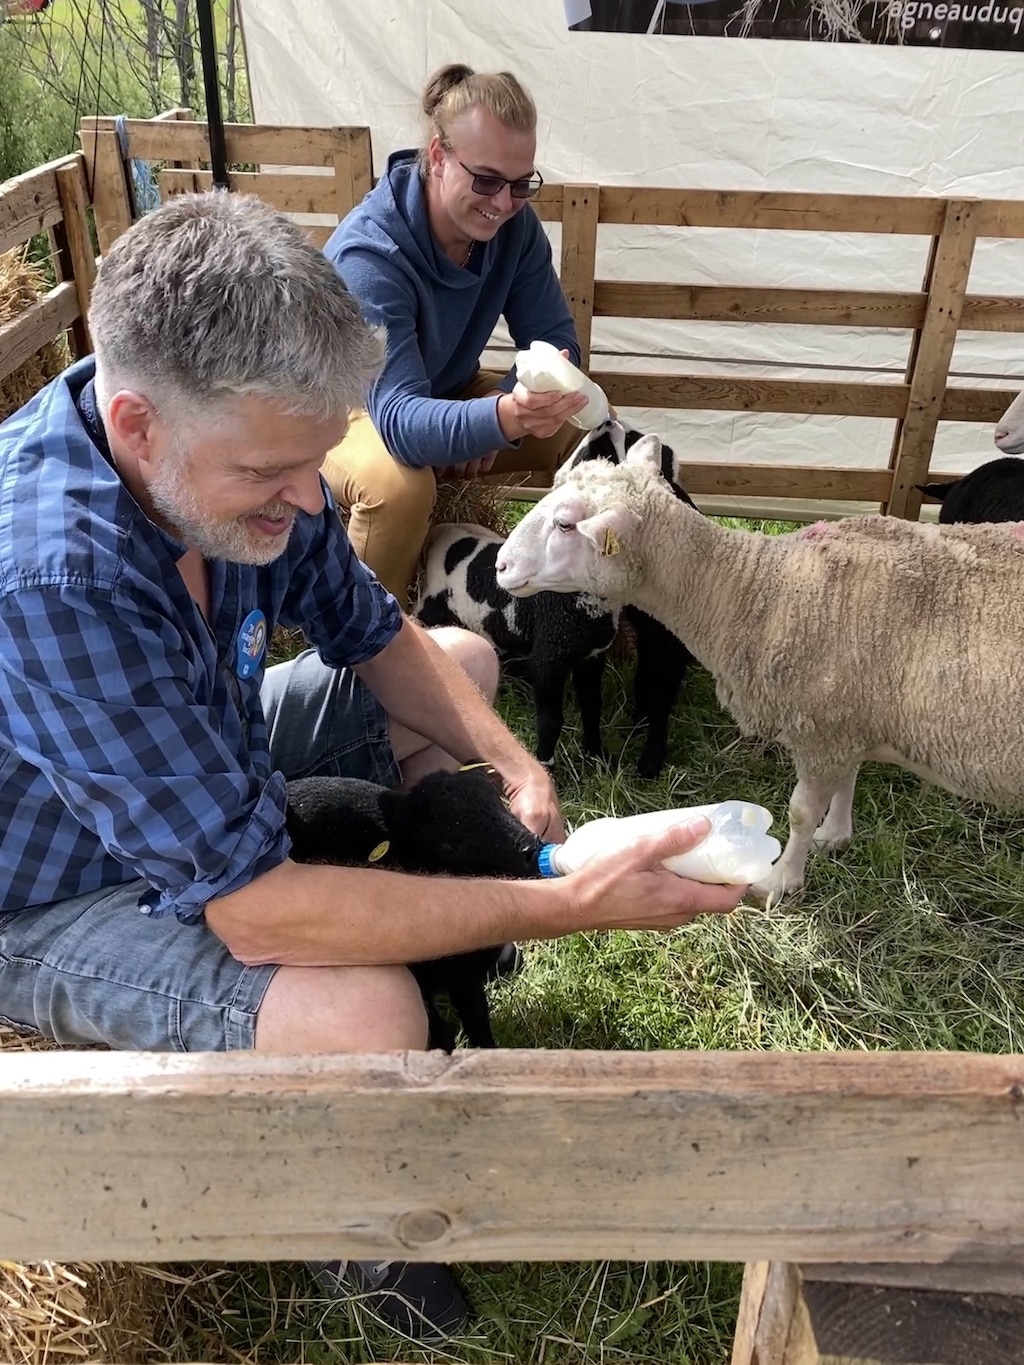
(605, 530)
(435, 155)
(129, 423)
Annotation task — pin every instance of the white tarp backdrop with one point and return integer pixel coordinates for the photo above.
(705, 112)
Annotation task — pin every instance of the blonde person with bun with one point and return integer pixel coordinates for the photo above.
(443, 247)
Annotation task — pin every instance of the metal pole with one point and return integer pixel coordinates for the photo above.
(211, 86)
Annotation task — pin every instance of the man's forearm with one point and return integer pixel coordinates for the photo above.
(419, 686)
(305, 915)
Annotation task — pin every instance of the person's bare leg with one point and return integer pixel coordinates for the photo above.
(474, 655)
(341, 1009)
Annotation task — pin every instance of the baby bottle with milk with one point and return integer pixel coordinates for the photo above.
(737, 850)
(544, 368)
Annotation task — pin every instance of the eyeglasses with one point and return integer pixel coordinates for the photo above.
(490, 185)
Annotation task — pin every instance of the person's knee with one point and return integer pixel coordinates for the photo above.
(474, 655)
(341, 1009)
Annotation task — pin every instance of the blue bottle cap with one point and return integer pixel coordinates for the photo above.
(545, 866)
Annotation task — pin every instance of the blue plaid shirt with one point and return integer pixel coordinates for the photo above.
(129, 746)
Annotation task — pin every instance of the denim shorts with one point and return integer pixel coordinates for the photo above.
(93, 970)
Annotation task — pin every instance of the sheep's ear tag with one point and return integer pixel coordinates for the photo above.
(611, 543)
(379, 852)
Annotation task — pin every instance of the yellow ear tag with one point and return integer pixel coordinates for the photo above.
(377, 853)
(611, 542)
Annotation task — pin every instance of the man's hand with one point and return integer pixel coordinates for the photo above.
(522, 413)
(533, 800)
(628, 889)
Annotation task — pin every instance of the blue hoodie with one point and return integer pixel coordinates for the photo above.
(439, 317)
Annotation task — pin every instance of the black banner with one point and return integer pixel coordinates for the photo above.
(909, 23)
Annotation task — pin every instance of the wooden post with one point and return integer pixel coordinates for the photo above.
(75, 255)
(353, 168)
(880, 1315)
(580, 213)
(107, 178)
(949, 269)
(773, 1327)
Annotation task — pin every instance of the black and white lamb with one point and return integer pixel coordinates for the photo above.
(453, 823)
(869, 638)
(542, 640)
(545, 638)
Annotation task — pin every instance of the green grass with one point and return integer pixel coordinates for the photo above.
(83, 57)
(912, 939)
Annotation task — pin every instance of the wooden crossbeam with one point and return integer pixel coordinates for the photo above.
(39, 324)
(513, 1155)
(255, 143)
(29, 203)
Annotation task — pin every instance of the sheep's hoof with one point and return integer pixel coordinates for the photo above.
(649, 765)
(776, 887)
(824, 841)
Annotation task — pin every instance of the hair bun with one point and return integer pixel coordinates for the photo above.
(443, 80)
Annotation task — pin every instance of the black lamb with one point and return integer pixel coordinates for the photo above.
(992, 492)
(453, 823)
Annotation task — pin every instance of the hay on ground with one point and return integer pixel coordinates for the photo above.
(21, 284)
(55, 1314)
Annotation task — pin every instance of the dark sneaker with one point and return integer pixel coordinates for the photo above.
(417, 1298)
(509, 961)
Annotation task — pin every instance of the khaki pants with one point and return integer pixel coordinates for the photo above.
(389, 504)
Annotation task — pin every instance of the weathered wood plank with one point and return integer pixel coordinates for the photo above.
(548, 204)
(734, 303)
(773, 1326)
(289, 193)
(29, 204)
(867, 1323)
(1000, 217)
(40, 323)
(353, 169)
(731, 394)
(318, 235)
(784, 481)
(789, 211)
(975, 405)
(107, 180)
(152, 140)
(992, 313)
(579, 257)
(960, 1277)
(930, 366)
(76, 257)
(509, 1155)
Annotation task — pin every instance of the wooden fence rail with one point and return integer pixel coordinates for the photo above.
(902, 1167)
(322, 172)
(51, 199)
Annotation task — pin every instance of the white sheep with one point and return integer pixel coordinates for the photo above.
(870, 638)
(1009, 434)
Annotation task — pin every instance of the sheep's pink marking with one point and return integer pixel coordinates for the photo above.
(1017, 529)
(816, 531)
